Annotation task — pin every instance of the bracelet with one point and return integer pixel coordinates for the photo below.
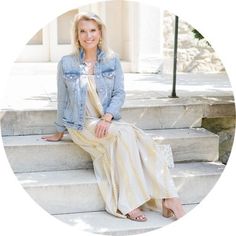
(103, 118)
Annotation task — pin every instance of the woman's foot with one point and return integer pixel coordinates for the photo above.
(136, 215)
(172, 207)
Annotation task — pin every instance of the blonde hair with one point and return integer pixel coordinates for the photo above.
(101, 26)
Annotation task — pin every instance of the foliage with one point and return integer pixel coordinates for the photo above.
(199, 36)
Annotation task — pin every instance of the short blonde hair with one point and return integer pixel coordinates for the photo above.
(101, 26)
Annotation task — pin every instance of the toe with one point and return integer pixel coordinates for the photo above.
(141, 217)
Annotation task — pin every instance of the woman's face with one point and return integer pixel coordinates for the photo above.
(89, 34)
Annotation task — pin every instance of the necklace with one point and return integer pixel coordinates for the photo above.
(90, 65)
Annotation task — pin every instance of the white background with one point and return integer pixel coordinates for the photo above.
(20, 20)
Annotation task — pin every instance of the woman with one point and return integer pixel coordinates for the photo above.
(130, 172)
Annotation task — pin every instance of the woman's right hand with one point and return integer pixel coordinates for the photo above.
(54, 138)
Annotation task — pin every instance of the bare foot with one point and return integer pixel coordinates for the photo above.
(53, 138)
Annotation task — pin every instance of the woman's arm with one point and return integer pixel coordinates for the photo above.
(61, 103)
(62, 98)
(117, 100)
(118, 93)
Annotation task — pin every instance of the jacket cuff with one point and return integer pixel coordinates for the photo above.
(116, 115)
(60, 128)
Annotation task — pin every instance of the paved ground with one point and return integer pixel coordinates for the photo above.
(33, 85)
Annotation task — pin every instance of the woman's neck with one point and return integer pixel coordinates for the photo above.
(90, 55)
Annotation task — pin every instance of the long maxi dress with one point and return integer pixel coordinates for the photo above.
(131, 170)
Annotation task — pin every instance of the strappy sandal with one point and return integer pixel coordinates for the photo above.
(167, 212)
(136, 215)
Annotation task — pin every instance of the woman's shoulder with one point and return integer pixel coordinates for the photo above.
(112, 57)
(68, 62)
(69, 58)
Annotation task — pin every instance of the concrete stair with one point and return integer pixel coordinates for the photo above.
(60, 178)
(31, 153)
(162, 113)
(72, 191)
(158, 117)
(117, 226)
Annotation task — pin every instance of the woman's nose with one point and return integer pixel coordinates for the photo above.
(89, 34)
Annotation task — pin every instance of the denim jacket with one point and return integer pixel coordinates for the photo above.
(72, 91)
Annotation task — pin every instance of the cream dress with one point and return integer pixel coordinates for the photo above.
(131, 170)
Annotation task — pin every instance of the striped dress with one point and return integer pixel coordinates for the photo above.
(131, 169)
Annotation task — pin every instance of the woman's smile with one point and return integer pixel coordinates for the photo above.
(89, 34)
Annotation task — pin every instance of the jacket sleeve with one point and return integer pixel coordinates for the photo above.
(62, 98)
(118, 93)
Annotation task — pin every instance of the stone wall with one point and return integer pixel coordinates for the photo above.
(225, 128)
(194, 55)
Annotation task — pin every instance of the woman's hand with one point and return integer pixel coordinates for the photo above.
(54, 138)
(101, 129)
(103, 125)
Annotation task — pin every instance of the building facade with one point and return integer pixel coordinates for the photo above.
(141, 34)
(127, 24)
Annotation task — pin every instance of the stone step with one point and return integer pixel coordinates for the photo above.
(110, 225)
(31, 153)
(62, 192)
(144, 114)
(195, 144)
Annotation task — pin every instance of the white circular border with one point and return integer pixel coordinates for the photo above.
(20, 19)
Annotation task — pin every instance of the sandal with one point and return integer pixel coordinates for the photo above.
(168, 212)
(136, 215)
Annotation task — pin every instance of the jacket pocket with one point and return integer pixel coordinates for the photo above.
(71, 75)
(72, 81)
(109, 78)
(108, 74)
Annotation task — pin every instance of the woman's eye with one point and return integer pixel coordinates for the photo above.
(81, 31)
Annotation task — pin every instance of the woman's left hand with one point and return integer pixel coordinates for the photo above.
(103, 125)
(101, 129)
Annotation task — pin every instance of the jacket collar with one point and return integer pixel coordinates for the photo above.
(100, 55)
